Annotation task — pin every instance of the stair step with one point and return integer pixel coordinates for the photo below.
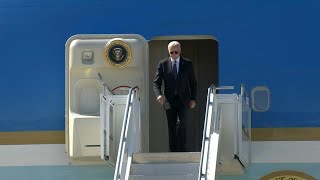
(170, 157)
(164, 169)
(171, 177)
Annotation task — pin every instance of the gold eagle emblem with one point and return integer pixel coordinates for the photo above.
(117, 53)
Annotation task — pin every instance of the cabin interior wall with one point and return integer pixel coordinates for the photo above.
(204, 56)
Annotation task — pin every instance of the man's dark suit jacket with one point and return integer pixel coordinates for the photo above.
(185, 83)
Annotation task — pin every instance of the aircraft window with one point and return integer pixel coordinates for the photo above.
(260, 97)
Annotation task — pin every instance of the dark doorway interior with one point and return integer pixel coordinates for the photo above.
(204, 55)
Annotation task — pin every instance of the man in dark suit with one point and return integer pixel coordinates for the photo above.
(180, 94)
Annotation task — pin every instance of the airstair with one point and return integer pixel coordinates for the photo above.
(100, 120)
(225, 146)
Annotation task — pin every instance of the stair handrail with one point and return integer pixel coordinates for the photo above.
(105, 86)
(206, 132)
(244, 90)
(245, 124)
(124, 133)
(210, 127)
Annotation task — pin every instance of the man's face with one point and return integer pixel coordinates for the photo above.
(174, 52)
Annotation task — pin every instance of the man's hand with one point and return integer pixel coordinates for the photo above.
(161, 99)
(192, 104)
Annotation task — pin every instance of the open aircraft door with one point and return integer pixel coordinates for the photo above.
(99, 71)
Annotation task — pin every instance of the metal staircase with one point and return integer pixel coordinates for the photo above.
(225, 145)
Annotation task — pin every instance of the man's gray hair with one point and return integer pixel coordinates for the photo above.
(174, 44)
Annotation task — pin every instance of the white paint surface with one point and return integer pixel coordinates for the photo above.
(285, 151)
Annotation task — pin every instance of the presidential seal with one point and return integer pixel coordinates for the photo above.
(117, 53)
(287, 175)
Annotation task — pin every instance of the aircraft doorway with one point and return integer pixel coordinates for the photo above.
(203, 52)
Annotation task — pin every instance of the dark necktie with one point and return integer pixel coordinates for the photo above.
(174, 70)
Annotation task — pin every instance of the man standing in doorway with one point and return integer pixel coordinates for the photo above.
(180, 94)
